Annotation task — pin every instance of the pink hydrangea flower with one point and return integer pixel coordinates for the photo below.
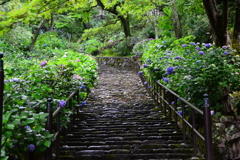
(43, 63)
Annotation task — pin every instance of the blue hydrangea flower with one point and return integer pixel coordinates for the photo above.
(165, 79)
(140, 73)
(62, 103)
(184, 45)
(83, 87)
(45, 45)
(208, 45)
(198, 48)
(225, 53)
(201, 52)
(145, 83)
(31, 147)
(172, 102)
(198, 61)
(84, 102)
(149, 87)
(170, 70)
(192, 43)
(180, 112)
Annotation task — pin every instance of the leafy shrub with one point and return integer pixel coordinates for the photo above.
(192, 70)
(28, 83)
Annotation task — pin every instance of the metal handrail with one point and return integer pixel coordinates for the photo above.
(162, 96)
(1, 97)
(58, 130)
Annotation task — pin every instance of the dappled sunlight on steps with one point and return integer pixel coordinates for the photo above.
(121, 122)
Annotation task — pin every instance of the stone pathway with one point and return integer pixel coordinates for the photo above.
(121, 122)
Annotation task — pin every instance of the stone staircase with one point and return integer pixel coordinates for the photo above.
(121, 122)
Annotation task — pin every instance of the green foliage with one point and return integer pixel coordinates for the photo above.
(197, 69)
(90, 46)
(151, 46)
(18, 38)
(28, 83)
(50, 40)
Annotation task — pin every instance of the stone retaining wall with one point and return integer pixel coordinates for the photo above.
(120, 62)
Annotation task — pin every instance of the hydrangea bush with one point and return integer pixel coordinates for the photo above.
(28, 84)
(193, 69)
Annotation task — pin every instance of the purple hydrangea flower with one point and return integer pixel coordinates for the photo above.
(145, 65)
(31, 147)
(225, 53)
(224, 47)
(62, 103)
(198, 48)
(172, 102)
(145, 83)
(201, 52)
(170, 70)
(208, 45)
(165, 79)
(27, 127)
(140, 73)
(43, 63)
(193, 43)
(149, 87)
(184, 45)
(212, 112)
(178, 57)
(156, 69)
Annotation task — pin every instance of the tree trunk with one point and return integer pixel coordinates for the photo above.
(126, 25)
(155, 24)
(236, 32)
(52, 22)
(34, 39)
(218, 21)
(176, 22)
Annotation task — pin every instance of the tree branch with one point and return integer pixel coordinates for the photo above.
(2, 3)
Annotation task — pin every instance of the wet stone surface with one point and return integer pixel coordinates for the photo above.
(121, 122)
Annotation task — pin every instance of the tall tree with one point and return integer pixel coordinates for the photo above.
(123, 18)
(236, 32)
(218, 18)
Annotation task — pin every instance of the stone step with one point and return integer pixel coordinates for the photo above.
(103, 155)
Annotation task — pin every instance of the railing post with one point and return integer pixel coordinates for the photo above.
(207, 128)
(58, 137)
(1, 96)
(194, 140)
(48, 152)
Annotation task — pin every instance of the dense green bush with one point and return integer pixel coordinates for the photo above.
(193, 69)
(28, 84)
